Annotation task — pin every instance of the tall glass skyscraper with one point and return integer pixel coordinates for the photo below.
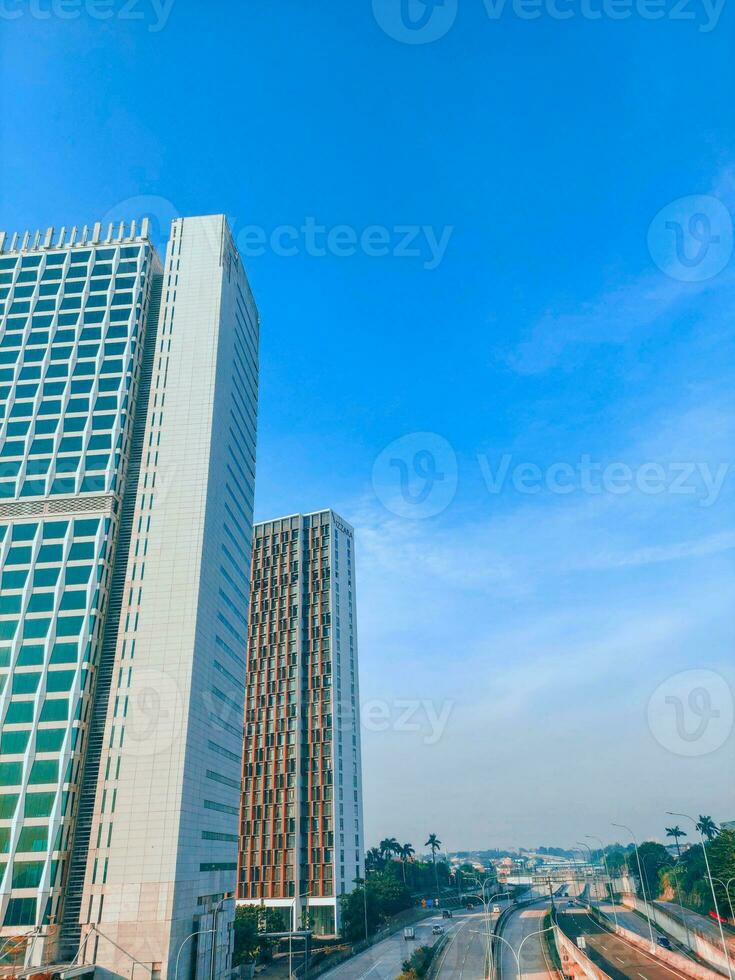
(302, 826)
(128, 405)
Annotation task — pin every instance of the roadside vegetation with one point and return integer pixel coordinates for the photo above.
(418, 964)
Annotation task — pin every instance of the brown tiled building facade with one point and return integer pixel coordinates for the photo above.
(301, 819)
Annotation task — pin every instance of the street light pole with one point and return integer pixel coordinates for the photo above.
(199, 932)
(622, 826)
(592, 892)
(297, 898)
(607, 872)
(727, 892)
(712, 886)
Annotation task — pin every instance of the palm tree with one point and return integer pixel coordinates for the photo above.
(373, 859)
(388, 847)
(434, 843)
(676, 833)
(707, 827)
(406, 853)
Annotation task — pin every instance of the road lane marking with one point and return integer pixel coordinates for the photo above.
(376, 963)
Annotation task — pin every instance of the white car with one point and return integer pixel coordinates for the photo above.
(496, 910)
(437, 931)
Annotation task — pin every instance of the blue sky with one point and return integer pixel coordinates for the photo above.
(539, 152)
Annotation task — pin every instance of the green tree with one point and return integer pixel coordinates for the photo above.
(383, 895)
(418, 964)
(707, 827)
(407, 851)
(676, 833)
(616, 860)
(374, 860)
(721, 854)
(251, 921)
(389, 847)
(654, 860)
(434, 843)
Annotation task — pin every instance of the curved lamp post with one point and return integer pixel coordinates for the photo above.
(607, 872)
(727, 892)
(712, 887)
(622, 826)
(199, 932)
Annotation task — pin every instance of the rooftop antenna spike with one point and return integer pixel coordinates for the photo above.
(85, 234)
(49, 238)
(62, 236)
(96, 230)
(24, 244)
(37, 239)
(14, 242)
(3, 236)
(109, 232)
(120, 231)
(132, 230)
(73, 235)
(145, 228)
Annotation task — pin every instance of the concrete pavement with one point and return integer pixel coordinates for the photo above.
(464, 955)
(617, 958)
(385, 960)
(519, 929)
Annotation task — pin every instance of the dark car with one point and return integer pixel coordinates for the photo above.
(664, 941)
(446, 914)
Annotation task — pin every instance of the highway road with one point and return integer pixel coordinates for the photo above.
(519, 929)
(463, 957)
(700, 923)
(638, 924)
(617, 958)
(384, 960)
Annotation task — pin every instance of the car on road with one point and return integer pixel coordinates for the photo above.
(409, 933)
(437, 931)
(664, 942)
(446, 914)
(496, 910)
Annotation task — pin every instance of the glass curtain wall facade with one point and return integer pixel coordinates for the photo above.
(112, 368)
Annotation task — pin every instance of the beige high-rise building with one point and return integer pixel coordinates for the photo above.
(302, 827)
